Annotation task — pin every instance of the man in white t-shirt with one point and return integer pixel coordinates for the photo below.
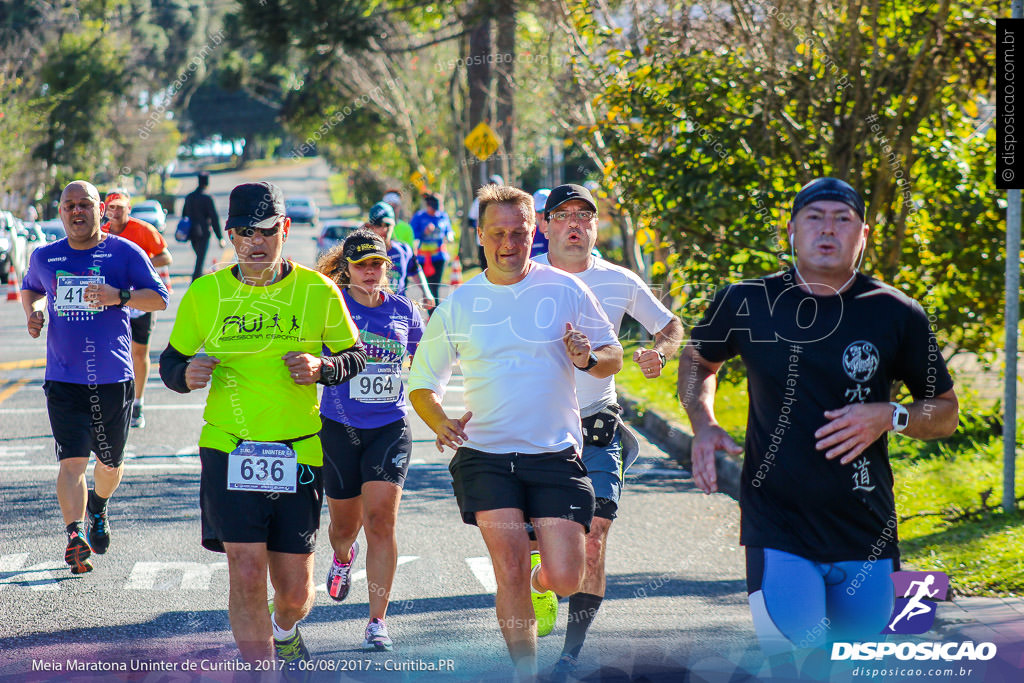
(519, 331)
(570, 214)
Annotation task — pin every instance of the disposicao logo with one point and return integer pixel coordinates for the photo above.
(916, 593)
(914, 613)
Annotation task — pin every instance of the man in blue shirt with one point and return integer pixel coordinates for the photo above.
(405, 270)
(84, 285)
(433, 230)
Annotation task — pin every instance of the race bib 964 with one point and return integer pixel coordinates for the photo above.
(378, 383)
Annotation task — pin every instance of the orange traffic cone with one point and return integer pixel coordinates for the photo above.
(12, 285)
(456, 273)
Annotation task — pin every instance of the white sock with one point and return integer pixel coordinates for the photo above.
(533, 574)
(280, 633)
(137, 403)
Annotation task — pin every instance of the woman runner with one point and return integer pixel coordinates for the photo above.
(366, 435)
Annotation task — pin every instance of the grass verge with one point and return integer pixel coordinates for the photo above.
(948, 492)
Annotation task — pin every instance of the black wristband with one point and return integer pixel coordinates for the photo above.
(328, 371)
(591, 362)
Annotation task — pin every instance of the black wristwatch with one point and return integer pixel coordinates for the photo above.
(662, 357)
(125, 294)
(328, 373)
(591, 362)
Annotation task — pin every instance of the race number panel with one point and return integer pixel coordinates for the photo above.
(262, 466)
(71, 292)
(378, 383)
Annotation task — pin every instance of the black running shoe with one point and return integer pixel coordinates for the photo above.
(99, 531)
(77, 554)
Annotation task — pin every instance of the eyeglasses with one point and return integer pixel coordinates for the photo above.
(562, 216)
(250, 231)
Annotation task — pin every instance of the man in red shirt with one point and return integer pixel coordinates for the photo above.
(149, 239)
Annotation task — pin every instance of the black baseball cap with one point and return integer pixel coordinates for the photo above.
(255, 205)
(362, 245)
(564, 193)
(828, 189)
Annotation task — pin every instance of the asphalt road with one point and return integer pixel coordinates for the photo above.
(675, 594)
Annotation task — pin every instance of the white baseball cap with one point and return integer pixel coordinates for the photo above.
(540, 198)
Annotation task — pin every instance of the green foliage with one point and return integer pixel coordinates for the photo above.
(659, 394)
(97, 85)
(948, 495)
(82, 72)
(712, 126)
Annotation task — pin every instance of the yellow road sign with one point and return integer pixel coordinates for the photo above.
(482, 141)
(419, 181)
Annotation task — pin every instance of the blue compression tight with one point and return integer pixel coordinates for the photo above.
(797, 602)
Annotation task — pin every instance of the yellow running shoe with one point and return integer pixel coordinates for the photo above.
(545, 605)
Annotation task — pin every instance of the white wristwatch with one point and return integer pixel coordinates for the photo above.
(900, 417)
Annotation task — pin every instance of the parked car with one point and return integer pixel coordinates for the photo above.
(13, 246)
(53, 230)
(301, 210)
(152, 212)
(36, 238)
(334, 232)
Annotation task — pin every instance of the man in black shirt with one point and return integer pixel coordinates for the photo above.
(200, 210)
(822, 345)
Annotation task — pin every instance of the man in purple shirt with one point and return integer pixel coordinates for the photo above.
(85, 283)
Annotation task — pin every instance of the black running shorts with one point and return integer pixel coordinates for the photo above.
(90, 417)
(354, 456)
(142, 327)
(541, 485)
(286, 522)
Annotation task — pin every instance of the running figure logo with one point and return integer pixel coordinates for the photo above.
(916, 592)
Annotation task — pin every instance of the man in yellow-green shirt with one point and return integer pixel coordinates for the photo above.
(271, 330)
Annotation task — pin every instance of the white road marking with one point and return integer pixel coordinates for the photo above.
(361, 574)
(483, 570)
(17, 451)
(8, 563)
(37, 576)
(135, 466)
(637, 471)
(162, 576)
(168, 406)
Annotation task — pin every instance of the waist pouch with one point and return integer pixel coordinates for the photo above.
(599, 428)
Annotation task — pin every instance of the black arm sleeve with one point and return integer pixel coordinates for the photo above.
(172, 369)
(348, 363)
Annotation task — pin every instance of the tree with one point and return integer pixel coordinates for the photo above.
(81, 73)
(710, 123)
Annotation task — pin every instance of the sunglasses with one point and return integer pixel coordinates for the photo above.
(250, 231)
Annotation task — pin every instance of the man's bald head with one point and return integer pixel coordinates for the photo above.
(78, 187)
(80, 211)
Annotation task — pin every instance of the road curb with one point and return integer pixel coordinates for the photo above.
(675, 440)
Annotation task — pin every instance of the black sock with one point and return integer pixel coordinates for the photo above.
(582, 610)
(97, 504)
(73, 527)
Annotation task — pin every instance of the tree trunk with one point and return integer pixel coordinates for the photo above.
(478, 77)
(505, 87)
